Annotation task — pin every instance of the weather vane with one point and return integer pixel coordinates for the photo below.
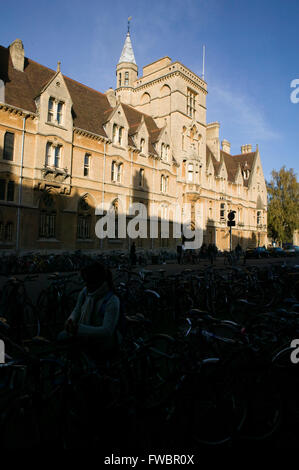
(129, 19)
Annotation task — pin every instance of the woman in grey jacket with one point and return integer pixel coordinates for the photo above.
(96, 314)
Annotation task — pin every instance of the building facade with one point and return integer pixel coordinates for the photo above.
(66, 148)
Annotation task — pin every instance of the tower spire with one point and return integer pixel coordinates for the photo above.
(127, 54)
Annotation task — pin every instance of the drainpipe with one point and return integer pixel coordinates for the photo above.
(20, 187)
(103, 186)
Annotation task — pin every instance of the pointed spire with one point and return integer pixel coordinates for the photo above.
(127, 54)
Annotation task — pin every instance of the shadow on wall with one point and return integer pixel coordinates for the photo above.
(53, 220)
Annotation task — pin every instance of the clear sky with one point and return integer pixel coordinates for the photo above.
(252, 55)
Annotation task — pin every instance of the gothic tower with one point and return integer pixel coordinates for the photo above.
(126, 72)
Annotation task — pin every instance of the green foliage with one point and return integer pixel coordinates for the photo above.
(283, 205)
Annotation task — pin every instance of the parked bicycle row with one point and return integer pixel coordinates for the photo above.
(206, 360)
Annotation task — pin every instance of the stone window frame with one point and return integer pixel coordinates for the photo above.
(84, 219)
(190, 172)
(50, 155)
(141, 177)
(9, 187)
(8, 147)
(164, 183)
(191, 103)
(116, 171)
(117, 134)
(86, 164)
(55, 114)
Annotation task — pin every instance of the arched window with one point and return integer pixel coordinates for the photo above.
(119, 79)
(259, 217)
(47, 217)
(142, 145)
(84, 219)
(126, 78)
(145, 99)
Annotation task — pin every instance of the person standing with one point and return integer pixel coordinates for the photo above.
(133, 254)
(179, 252)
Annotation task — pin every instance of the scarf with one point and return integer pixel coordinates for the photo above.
(88, 305)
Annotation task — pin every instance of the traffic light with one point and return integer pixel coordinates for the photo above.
(231, 219)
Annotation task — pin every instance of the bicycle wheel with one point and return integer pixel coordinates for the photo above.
(264, 409)
(154, 368)
(208, 408)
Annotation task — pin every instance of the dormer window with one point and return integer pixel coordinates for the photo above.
(246, 174)
(167, 152)
(165, 149)
(120, 135)
(59, 114)
(117, 134)
(55, 109)
(51, 110)
(142, 145)
(114, 133)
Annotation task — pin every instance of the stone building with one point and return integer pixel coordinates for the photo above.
(65, 148)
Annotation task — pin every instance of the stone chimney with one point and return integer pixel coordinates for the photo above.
(16, 50)
(246, 148)
(212, 137)
(111, 97)
(225, 146)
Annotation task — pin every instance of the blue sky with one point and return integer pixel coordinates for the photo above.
(251, 55)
